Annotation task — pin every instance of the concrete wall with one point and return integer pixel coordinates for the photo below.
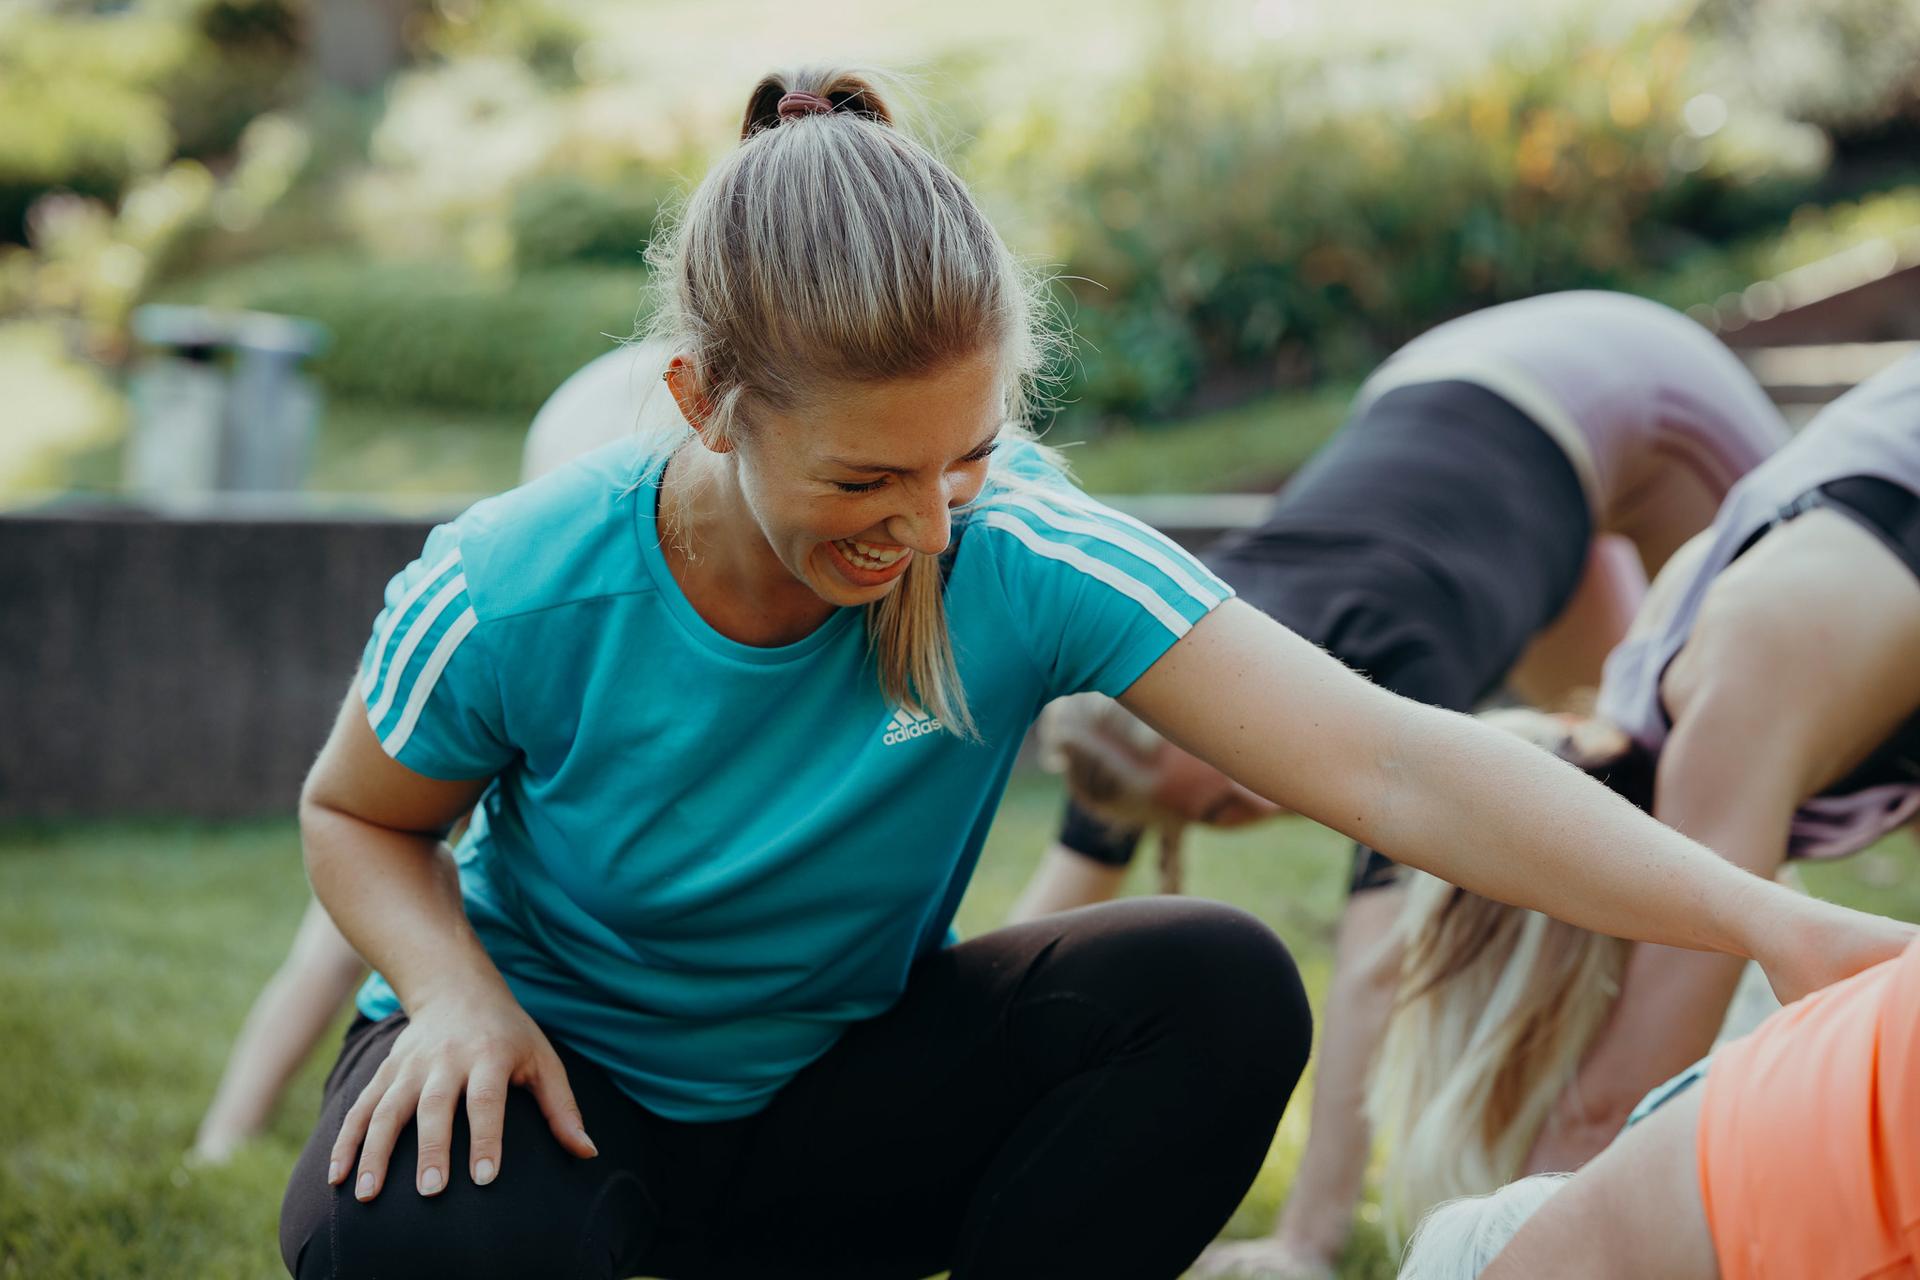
(189, 663)
(179, 664)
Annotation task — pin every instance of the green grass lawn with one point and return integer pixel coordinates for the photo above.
(133, 951)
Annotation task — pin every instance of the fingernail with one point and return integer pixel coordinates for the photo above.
(582, 1135)
(483, 1172)
(429, 1182)
(333, 1173)
(364, 1189)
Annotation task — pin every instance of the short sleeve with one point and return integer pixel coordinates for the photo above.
(1099, 595)
(430, 690)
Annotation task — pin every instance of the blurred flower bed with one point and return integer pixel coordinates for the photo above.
(470, 227)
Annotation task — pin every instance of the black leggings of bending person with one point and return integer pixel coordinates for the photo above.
(1087, 1095)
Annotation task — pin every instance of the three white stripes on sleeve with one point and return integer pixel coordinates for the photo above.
(418, 629)
(1147, 546)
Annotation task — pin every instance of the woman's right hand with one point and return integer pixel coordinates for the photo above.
(475, 1043)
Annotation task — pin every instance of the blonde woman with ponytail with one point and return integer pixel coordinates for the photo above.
(736, 708)
(1789, 1154)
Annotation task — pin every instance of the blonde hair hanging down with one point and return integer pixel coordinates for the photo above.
(1497, 1006)
(829, 249)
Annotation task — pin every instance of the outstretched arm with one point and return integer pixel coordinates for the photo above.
(1475, 806)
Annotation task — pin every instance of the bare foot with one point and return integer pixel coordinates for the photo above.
(1263, 1259)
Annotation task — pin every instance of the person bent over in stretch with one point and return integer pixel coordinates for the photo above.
(1487, 518)
(1767, 702)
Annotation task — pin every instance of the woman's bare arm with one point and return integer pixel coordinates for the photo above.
(1476, 806)
(291, 1013)
(372, 830)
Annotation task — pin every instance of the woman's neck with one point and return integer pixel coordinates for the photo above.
(721, 560)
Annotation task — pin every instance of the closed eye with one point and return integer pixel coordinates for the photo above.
(981, 454)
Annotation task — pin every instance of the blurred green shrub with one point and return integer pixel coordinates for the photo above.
(565, 218)
(78, 107)
(246, 57)
(89, 138)
(1290, 222)
(91, 102)
(424, 333)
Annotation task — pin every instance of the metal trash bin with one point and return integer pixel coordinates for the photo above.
(219, 401)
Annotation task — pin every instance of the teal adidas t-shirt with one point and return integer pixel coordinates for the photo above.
(698, 861)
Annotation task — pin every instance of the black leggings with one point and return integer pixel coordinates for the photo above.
(1087, 1095)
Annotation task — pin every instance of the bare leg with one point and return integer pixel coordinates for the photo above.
(291, 1013)
(1313, 1228)
(1566, 656)
(1065, 880)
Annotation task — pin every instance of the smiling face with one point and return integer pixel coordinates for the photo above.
(846, 489)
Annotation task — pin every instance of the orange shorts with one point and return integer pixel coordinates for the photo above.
(1809, 1140)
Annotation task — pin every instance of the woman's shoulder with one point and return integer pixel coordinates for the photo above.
(1038, 527)
(567, 537)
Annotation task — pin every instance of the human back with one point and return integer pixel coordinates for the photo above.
(1655, 413)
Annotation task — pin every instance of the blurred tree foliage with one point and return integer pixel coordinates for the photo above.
(1275, 227)
(94, 97)
(1215, 227)
(1851, 67)
(90, 102)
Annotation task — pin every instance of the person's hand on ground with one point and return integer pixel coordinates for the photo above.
(1264, 1259)
(474, 1044)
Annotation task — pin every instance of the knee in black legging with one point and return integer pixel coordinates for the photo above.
(546, 1214)
(1228, 971)
(1209, 976)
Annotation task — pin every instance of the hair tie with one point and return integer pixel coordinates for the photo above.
(794, 105)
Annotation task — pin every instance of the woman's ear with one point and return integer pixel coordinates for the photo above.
(690, 394)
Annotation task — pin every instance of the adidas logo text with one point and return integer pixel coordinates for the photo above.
(908, 725)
